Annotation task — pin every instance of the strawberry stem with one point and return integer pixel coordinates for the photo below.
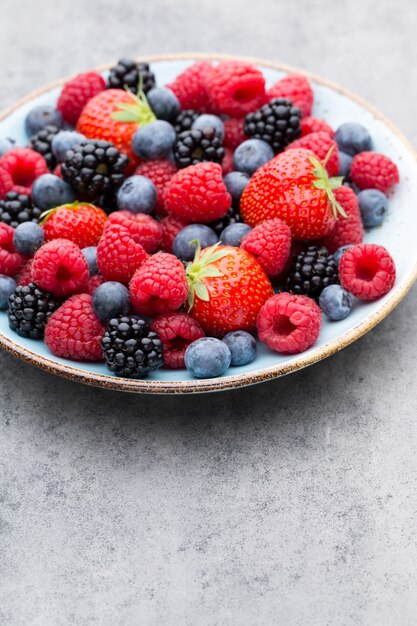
(201, 268)
(327, 184)
(138, 112)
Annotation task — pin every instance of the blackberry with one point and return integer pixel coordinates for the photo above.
(42, 142)
(195, 146)
(184, 120)
(277, 123)
(18, 208)
(130, 348)
(312, 269)
(93, 168)
(128, 73)
(232, 217)
(29, 310)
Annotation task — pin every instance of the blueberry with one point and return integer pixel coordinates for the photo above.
(164, 103)
(64, 141)
(28, 237)
(40, 116)
(90, 255)
(373, 205)
(209, 121)
(7, 287)
(233, 234)
(137, 194)
(182, 246)
(110, 300)
(155, 140)
(235, 184)
(251, 154)
(353, 138)
(337, 254)
(345, 161)
(49, 191)
(336, 302)
(242, 347)
(6, 144)
(207, 357)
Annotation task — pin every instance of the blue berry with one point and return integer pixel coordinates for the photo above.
(233, 234)
(182, 246)
(90, 255)
(64, 141)
(28, 237)
(251, 154)
(110, 300)
(6, 144)
(235, 184)
(40, 116)
(373, 205)
(209, 121)
(353, 138)
(335, 302)
(337, 254)
(164, 103)
(207, 357)
(49, 191)
(154, 141)
(345, 161)
(7, 287)
(242, 347)
(137, 194)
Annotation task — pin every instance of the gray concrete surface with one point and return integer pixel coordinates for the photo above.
(292, 503)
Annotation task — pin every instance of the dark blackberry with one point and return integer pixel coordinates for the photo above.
(130, 348)
(312, 269)
(195, 146)
(18, 208)
(29, 310)
(277, 123)
(42, 142)
(127, 73)
(184, 120)
(93, 168)
(232, 217)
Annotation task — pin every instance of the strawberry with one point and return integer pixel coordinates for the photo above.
(79, 222)
(295, 187)
(227, 289)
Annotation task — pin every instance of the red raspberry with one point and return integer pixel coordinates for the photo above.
(234, 134)
(159, 285)
(270, 244)
(94, 282)
(79, 222)
(236, 88)
(119, 255)
(314, 125)
(367, 271)
(19, 168)
(59, 266)
(298, 89)
(227, 163)
(171, 226)
(10, 260)
(25, 274)
(177, 331)
(347, 230)
(143, 228)
(57, 170)
(160, 173)
(190, 87)
(74, 332)
(289, 324)
(198, 194)
(320, 143)
(77, 92)
(371, 170)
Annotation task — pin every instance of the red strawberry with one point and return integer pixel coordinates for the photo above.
(77, 92)
(297, 88)
(80, 222)
(320, 143)
(348, 230)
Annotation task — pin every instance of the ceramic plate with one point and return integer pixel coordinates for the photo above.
(336, 105)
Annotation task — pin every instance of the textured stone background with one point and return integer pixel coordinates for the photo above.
(292, 503)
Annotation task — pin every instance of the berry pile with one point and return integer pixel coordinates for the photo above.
(216, 207)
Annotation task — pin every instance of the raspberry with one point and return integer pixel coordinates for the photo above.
(367, 271)
(159, 285)
(270, 244)
(176, 331)
(297, 89)
(57, 170)
(81, 223)
(74, 332)
(234, 134)
(59, 266)
(10, 260)
(94, 282)
(119, 255)
(25, 274)
(143, 228)
(289, 324)
(198, 194)
(371, 170)
(171, 226)
(236, 88)
(320, 143)
(77, 92)
(190, 87)
(18, 169)
(160, 173)
(227, 162)
(347, 230)
(314, 125)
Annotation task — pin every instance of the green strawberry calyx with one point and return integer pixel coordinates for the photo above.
(139, 111)
(327, 184)
(73, 206)
(201, 268)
